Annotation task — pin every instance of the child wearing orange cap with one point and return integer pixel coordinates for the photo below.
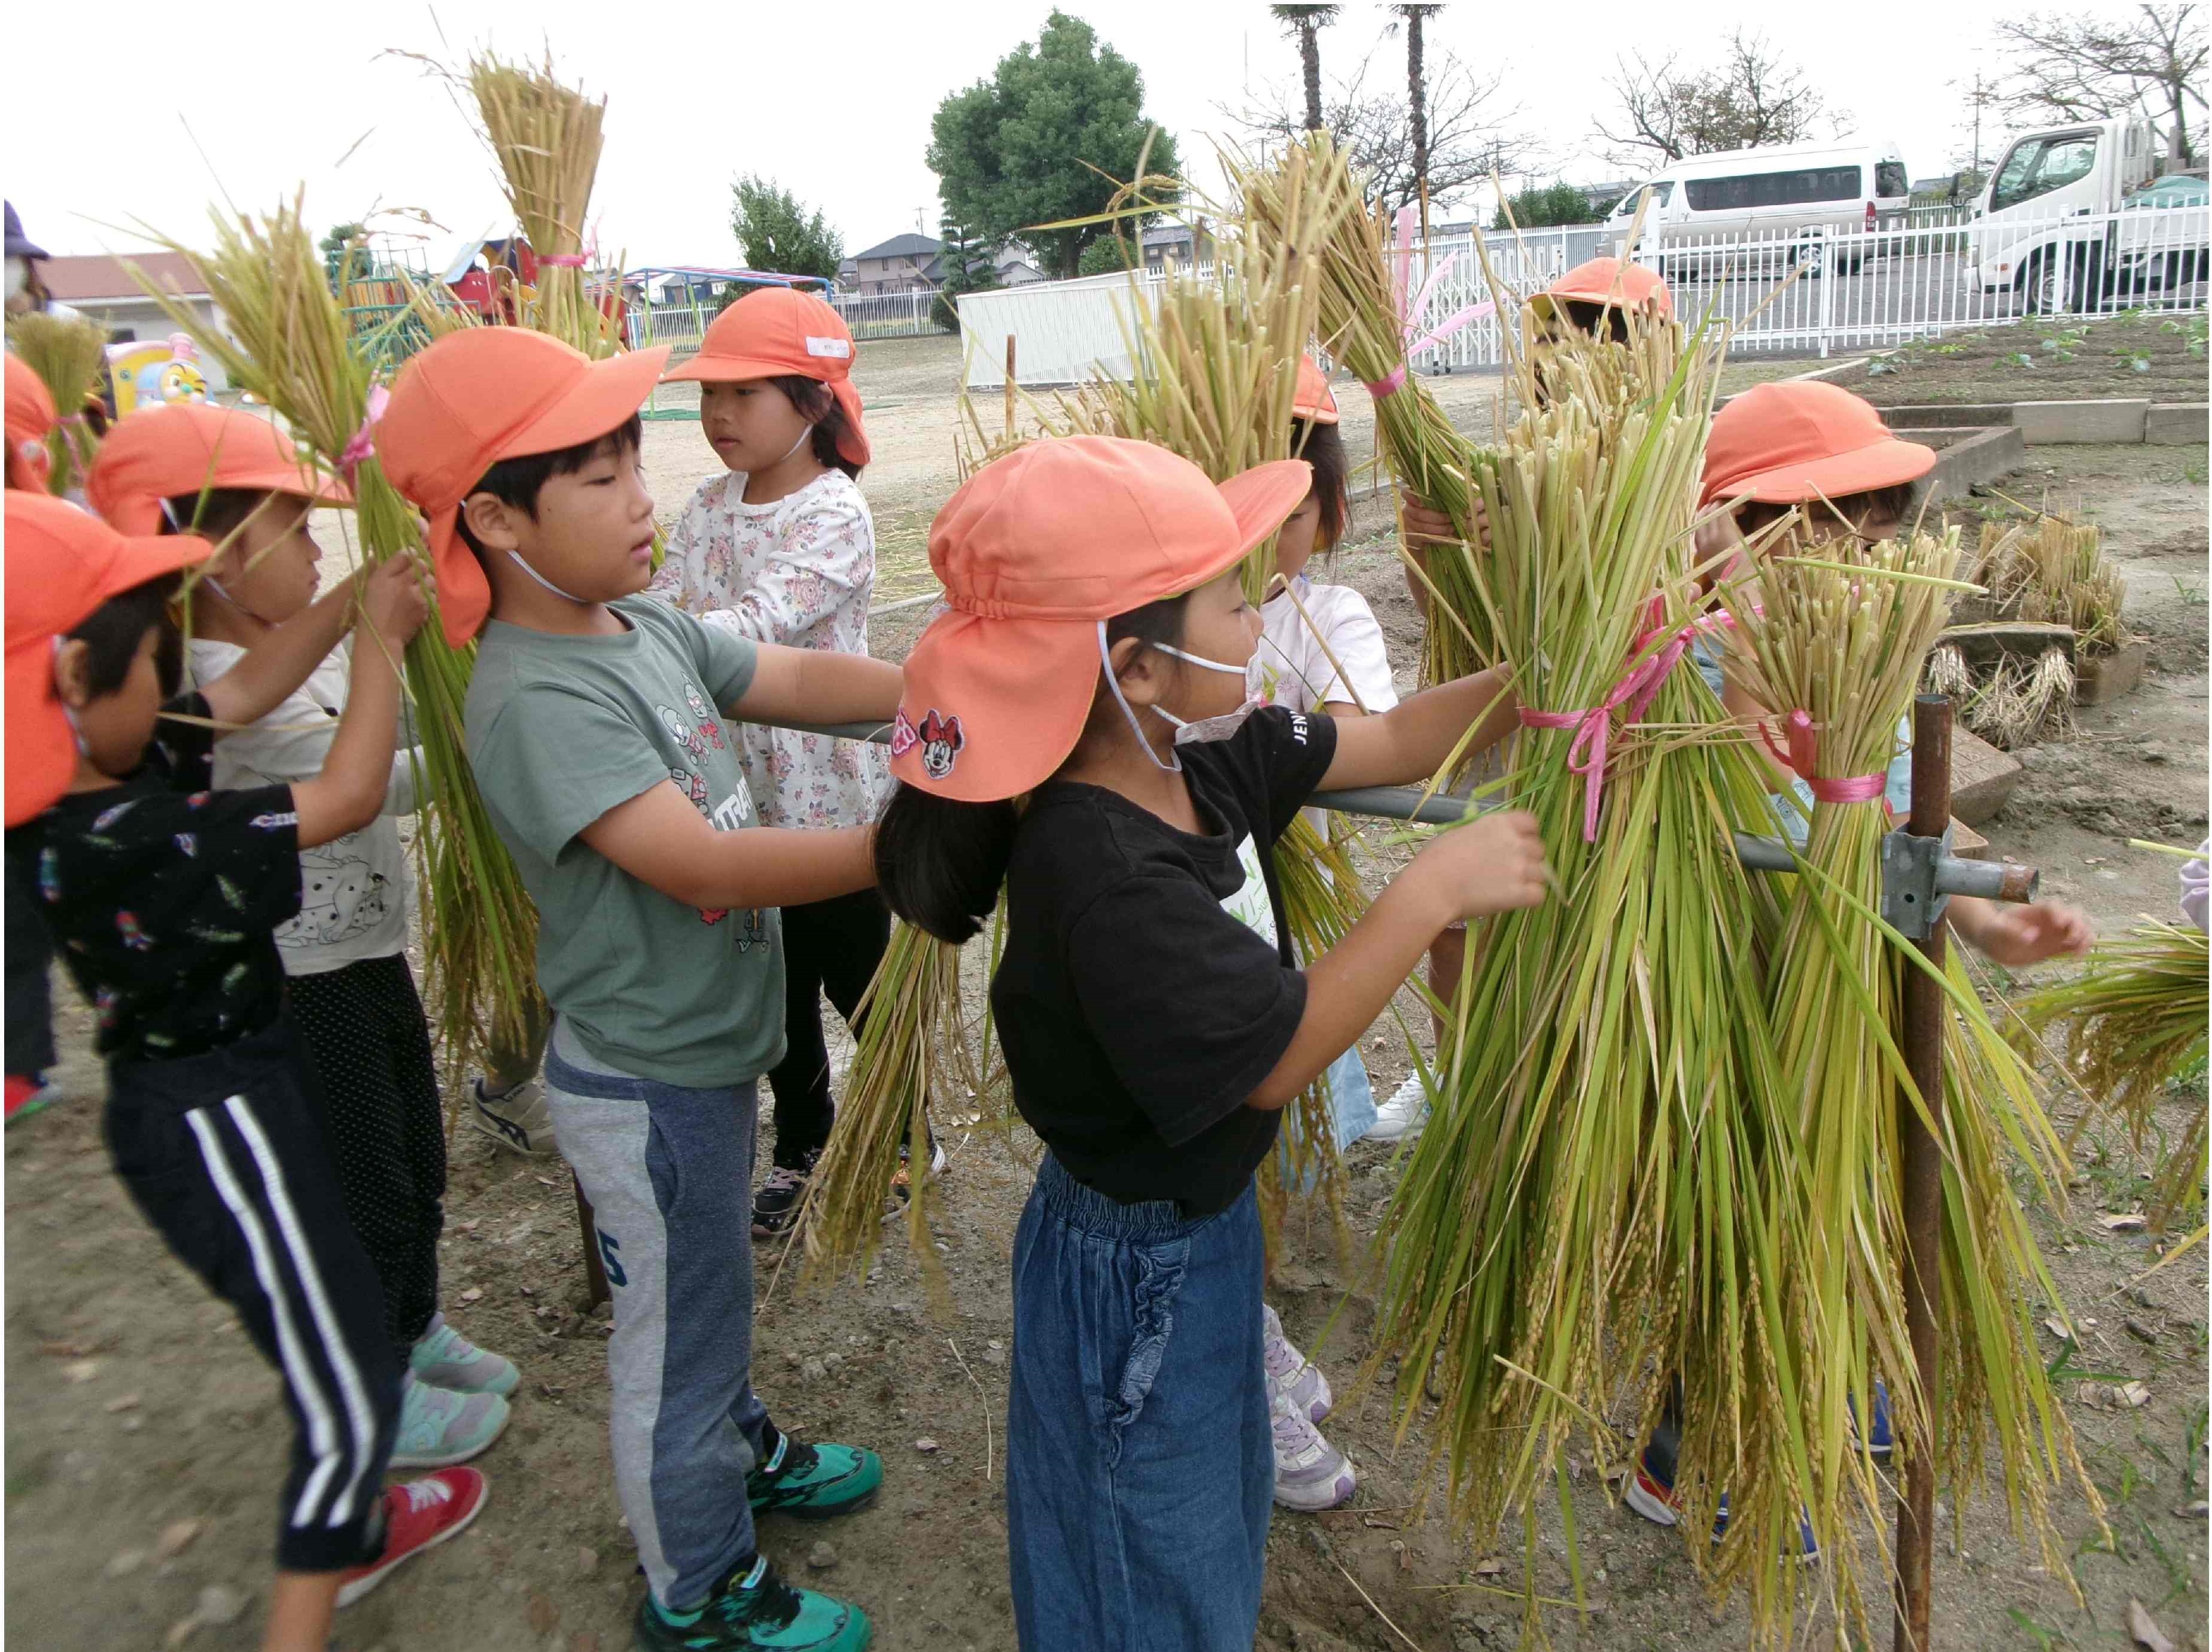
(1076, 728)
(594, 722)
(30, 1011)
(236, 480)
(163, 895)
(782, 549)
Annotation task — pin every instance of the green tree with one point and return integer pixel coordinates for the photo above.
(1107, 256)
(964, 261)
(778, 235)
(1043, 141)
(1540, 205)
(333, 247)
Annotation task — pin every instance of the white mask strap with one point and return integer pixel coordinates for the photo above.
(1198, 659)
(1171, 762)
(543, 580)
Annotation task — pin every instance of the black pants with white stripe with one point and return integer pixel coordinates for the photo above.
(226, 1155)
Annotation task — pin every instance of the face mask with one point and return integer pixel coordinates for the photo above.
(1205, 729)
(19, 277)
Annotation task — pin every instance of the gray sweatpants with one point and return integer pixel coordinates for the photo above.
(669, 1172)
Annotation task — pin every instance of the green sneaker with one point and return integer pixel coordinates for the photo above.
(814, 1482)
(752, 1608)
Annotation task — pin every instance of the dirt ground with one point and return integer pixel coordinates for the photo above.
(2140, 353)
(134, 1406)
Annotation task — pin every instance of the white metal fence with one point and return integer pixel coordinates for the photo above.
(1811, 292)
(888, 315)
(683, 323)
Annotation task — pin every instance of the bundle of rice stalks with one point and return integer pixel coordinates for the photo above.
(2054, 571)
(546, 137)
(2133, 1022)
(906, 1043)
(68, 355)
(1370, 323)
(1589, 1214)
(2015, 703)
(1834, 640)
(289, 344)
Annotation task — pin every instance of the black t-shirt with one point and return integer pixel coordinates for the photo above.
(1138, 1009)
(159, 895)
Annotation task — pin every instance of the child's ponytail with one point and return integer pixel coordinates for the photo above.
(940, 862)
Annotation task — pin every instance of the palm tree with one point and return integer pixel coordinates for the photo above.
(1417, 100)
(1307, 23)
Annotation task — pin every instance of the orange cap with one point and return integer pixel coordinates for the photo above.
(1313, 401)
(1788, 444)
(481, 395)
(774, 330)
(1034, 551)
(1606, 280)
(177, 449)
(31, 420)
(62, 564)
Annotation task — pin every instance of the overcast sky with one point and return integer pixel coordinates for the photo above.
(834, 100)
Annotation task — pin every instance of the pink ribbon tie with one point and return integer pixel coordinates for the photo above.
(362, 444)
(1803, 756)
(1413, 312)
(563, 260)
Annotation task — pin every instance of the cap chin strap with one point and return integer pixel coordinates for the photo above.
(541, 579)
(1173, 761)
(207, 579)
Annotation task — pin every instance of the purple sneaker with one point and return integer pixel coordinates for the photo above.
(1290, 1372)
(1311, 1474)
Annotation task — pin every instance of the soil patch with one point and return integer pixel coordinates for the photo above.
(2140, 353)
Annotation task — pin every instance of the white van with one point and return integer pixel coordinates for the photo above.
(2067, 221)
(1771, 193)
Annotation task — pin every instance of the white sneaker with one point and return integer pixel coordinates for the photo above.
(517, 1118)
(1403, 1115)
(1311, 1474)
(1290, 1371)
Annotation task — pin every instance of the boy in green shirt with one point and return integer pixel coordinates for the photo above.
(594, 722)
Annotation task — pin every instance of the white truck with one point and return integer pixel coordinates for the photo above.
(2070, 218)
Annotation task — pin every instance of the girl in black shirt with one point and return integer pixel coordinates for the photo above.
(1078, 729)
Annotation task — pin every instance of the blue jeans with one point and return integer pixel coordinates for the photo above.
(1140, 1467)
(670, 1173)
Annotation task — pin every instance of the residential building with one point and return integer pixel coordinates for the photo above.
(915, 264)
(100, 287)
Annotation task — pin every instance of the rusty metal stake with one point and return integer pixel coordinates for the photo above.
(1922, 1178)
(595, 1270)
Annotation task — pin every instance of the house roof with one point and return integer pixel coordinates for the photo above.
(901, 246)
(92, 279)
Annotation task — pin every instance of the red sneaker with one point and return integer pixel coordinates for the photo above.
(25, 1096)
(418, 1515)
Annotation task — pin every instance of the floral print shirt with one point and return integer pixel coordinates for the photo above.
(799, 573)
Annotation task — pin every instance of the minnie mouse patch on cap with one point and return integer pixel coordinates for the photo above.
(939, 737)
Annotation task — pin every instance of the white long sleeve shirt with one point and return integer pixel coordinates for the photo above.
(799, 572)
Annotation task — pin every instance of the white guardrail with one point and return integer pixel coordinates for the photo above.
(1807, 292)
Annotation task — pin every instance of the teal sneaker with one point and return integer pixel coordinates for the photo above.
(445, 1359)
(437, 1427)
(809, 1482)
(752, 1608)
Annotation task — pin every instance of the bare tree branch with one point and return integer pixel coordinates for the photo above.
(2096, 66)
(1468, 135)
(1751, 99)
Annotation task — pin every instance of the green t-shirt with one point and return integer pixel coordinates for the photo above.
(561, 730)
